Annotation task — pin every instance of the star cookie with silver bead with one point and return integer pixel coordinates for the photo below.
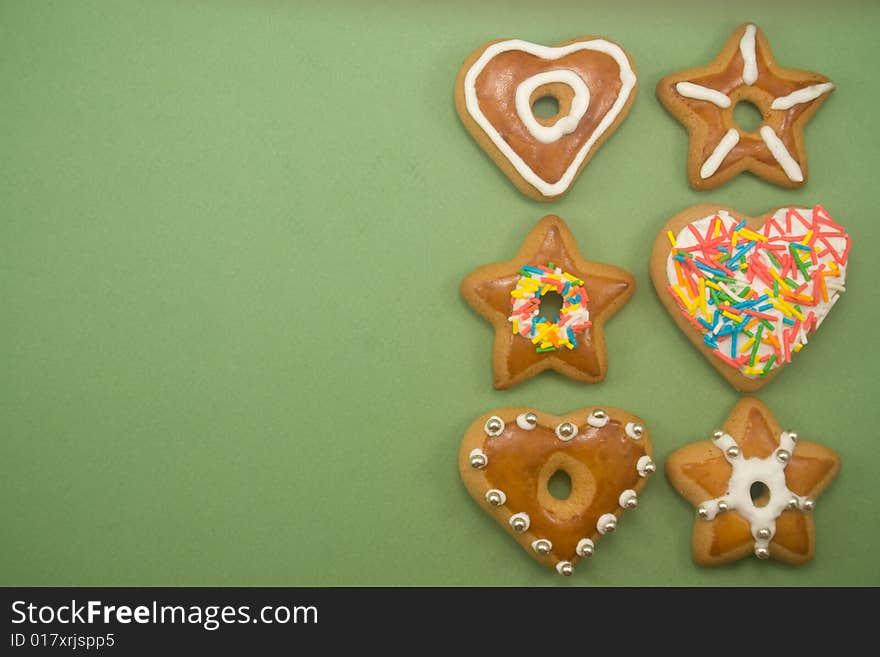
(509, 455)
(754, 487)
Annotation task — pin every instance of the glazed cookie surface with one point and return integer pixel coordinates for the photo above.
(593, 82)
(754, 487)
(509, 455)
(704, 98)
(529, 338)
(747, 291)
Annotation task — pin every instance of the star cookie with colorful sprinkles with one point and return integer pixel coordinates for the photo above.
(754, 487)
(703, 100)
(509, 456)
(749, 291)
(529, 339)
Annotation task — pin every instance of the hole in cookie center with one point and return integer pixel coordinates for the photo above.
(551, 306)
(760, 494)
(747, 116)
(546, 107)
(559, 485)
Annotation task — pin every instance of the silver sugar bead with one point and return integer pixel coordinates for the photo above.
(610, 526)
(763, 533)
(599, 414)
(703, 512)
(566, 430)
(650, 467)
(722, 506)
(494, 425)
(733, 451)
(519, 524)
(718, 435)
(494, 498)
(531, 418)
(792, 503)
(638, 430)
(793, 436)
(565, 568)
(542, 546)
(762, 553)
(631, 503)
(782, 455)
(809, 504)
(479, 461)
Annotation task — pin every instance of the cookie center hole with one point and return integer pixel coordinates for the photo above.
(747, 116)
(760, 494)
(546, 107)
(559, 485)
(551, 306)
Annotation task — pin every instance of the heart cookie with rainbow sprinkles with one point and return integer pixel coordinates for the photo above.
(750, 291)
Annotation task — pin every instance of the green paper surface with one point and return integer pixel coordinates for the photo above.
(231, 237)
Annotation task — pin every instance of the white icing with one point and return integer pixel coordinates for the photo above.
(566, 124)
(564, 438)
(728, 141)
(747, 49)
(604, 520)
(522, 423)
(771, 472)
(500, 494)
(585, 547)
(524, 516)
(804, 95)
(597, 422)
(631, 431)
(642, 464)
(781, 154)
(835, 285)
(699, 92)
(627, 79)
(626, 496)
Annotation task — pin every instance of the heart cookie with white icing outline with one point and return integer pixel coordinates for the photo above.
(750, 291)
(509, 455)
(593, 81)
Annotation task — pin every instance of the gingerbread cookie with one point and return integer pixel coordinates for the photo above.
(703, 99)
(749, 291)
(509, 455)
(528, 337)
(592, 80)
(754, 487)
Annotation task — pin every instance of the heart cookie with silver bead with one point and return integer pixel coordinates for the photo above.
(508, 457)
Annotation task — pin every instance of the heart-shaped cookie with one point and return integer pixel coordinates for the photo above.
(509, 455)
(750, 291)
(592, 80)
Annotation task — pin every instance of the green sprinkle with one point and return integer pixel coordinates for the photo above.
(756, 346)
(768, 365)
(545, 349)
(743, 292)
(551, 265)
(775, 287)
(773, 259)
(767, 324)
(790, 283)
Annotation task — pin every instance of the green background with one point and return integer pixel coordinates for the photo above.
(232, 346)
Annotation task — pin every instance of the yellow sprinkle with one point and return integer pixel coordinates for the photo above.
(716, 230)
(733, 239)
(752, 235)
(753, 370)
(671, 238)
(748, 344)
(515, 326)
(808, 237)
(681, 296)
(714, 286)
(703, 297)
(731, 316)
(798, 347)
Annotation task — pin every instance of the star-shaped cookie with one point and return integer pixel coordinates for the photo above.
(754, 487)
(529, 337)
(703, 99)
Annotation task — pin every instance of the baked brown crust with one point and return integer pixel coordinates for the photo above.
(700, 472)
(496, 86)
(602, 463)
(707, 122)
(514, 358)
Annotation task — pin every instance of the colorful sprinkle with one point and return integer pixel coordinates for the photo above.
(526, 319)
(729, 279)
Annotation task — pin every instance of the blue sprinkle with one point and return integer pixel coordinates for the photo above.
(786, 320)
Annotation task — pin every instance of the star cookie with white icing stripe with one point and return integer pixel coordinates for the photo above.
(704, 98)
(515, 297)
(754, 487)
